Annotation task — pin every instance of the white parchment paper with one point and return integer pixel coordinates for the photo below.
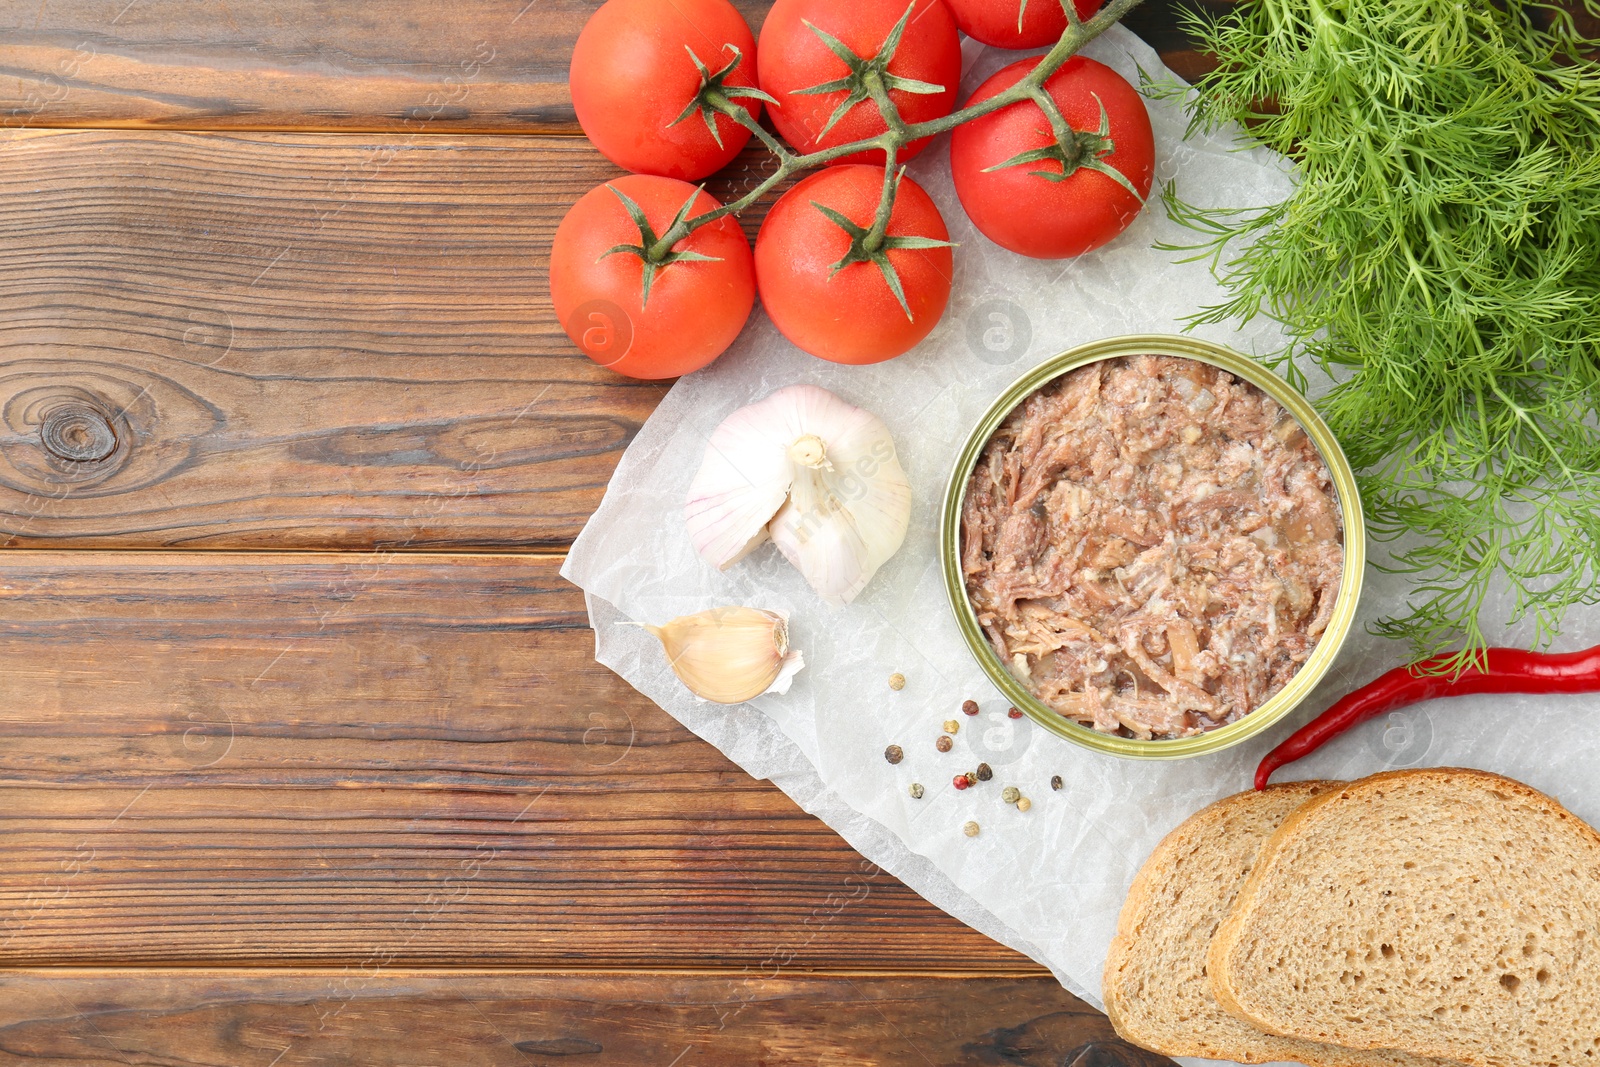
(1050, 882)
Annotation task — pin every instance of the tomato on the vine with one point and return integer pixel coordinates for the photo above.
(637, 72)
(1017, 23)
(818, 58)
(832, 294)
(649, 320)
(1027, 191)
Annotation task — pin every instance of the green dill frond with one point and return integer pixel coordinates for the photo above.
(1441, 255)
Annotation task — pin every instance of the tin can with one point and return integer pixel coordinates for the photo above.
(1349, 501)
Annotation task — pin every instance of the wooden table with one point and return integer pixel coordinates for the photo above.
(305, 758)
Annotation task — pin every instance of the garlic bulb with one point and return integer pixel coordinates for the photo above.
(817, 475)
(729, 655)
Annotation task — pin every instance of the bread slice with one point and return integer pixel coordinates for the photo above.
(1450, 913)
(1155, 988)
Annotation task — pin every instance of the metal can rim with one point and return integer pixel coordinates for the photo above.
(1345, 489)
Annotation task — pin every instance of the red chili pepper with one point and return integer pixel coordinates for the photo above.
(1505, 670)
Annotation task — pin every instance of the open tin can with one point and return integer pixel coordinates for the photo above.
(1348, 498)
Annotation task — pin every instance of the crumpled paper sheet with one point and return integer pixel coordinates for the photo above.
(1050, 882)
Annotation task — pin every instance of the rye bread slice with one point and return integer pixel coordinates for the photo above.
(1450, 913)
(1155, 988)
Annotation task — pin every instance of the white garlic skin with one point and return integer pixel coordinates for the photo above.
(732, 654)
(817, 475)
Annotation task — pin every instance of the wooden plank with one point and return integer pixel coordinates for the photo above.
(387, 760)
(295, 340)
(490, 66)
(490, 1020)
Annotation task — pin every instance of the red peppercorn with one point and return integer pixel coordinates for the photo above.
(970, 707)
(960, 781)
(1014, 713)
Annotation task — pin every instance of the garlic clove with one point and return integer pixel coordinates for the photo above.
(816, 474)
(742, 482)
(829, 553)
(731, 654)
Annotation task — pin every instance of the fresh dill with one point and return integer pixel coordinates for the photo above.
(1440, 257)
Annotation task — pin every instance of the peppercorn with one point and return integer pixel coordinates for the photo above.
(951, 726)
(894, 754)
(985, 772)
(970, 707)
(1055, 781)
(916, 790)
(1010, 794)
(971, 777)
(970, 829)
(960, 781)
(1014, 713)
(1023, 803)
(897, 681)
(944, 744)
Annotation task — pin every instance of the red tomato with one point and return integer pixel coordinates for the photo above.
(632, 77)
(994, 22)
(1050, 218)
(852, 315)
(793, 57)
(695, 308)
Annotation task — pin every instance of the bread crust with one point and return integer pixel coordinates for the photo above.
(1135, 907)
(1194, 833)
(1224, 945)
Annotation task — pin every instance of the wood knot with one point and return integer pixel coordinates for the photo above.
(1042, 1038)
(71, 426)
(79, 434)
(560, 1046)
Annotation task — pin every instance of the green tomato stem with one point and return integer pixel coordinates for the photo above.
(880, 220)
(886, 106)
(1065, 135)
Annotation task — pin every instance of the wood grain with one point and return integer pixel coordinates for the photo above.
(284, 340)
(294, 340)
(499, 1020)
(396, 760)
(483, 66)
(489, 66)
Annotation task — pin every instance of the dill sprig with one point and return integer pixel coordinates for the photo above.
(1440, 258)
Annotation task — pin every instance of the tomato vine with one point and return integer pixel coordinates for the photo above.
(868, 80)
